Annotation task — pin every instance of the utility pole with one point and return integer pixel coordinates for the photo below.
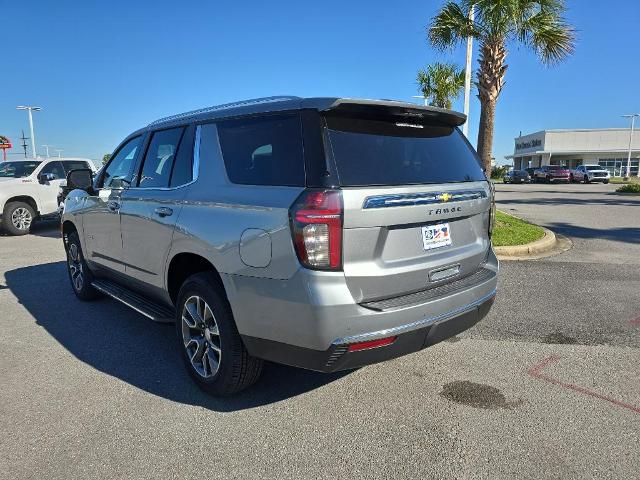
(30, 109)
(467, 76)
(24, 143)
(633, 117)
(47, 147)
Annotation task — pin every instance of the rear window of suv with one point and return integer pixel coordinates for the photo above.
(263, 150)
(392, 152)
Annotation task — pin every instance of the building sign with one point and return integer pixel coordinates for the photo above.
(533, 143)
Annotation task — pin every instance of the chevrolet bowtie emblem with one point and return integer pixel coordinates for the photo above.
(445, 197)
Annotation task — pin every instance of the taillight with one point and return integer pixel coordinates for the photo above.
(316, 223)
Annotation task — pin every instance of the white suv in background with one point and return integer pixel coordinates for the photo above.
(590, 173)
(29, 189)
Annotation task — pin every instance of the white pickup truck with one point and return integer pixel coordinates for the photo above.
(29, 189)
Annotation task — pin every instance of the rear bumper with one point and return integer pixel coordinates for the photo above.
(312, 318)
(338, 357)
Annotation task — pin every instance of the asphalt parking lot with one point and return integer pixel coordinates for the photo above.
(547, 386)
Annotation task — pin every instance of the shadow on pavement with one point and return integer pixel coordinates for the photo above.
(41, 228)
(621, 234)
(119, 342)
(533, 200)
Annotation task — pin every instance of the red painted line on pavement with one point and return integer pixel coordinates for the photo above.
(536, 372)
(635, 322)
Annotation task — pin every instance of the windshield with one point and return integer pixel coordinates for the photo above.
(556, 167)
(386, 152)
(17, 169)
(593, 167)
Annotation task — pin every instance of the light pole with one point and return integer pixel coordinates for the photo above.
(467, 76)
(47, 147)
(30, 109)
(632, 116)
(58, 150)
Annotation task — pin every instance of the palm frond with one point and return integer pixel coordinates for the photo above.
(548, 34)
(441, 83)
(450, 26)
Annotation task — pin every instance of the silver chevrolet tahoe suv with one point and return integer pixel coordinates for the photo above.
(324, 233)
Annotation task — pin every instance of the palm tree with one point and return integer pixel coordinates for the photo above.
(442, 83)
(537, 24)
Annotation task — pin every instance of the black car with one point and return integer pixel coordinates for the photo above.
(516, 176)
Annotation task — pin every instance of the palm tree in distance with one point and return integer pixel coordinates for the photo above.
(441, 83)
(539, 25)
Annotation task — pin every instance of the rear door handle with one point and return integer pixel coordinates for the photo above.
(113, 205)
(164, 211)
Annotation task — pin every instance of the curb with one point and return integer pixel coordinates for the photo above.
(545, 244)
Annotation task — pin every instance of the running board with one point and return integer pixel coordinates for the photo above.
(151, 310)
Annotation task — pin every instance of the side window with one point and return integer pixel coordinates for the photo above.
(118, 172)
(73, 165)
(264, 150)
(158, 162)
(55, 168)
(183, 167)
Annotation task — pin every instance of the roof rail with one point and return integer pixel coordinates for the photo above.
(224, 106)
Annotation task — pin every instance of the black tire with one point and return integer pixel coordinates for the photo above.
(222, 365)
(15, 214)
(605, 181)
(79, 274)
(586, 179)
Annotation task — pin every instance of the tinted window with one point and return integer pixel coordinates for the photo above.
(17, 169)
(156, 169)
(183, 166)
(381, 152)
(73, 165)
(119, 170)
(263, 151)
(55, 168)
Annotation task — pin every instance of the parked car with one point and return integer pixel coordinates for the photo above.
(552, 173)
(516, 176)
(29, 189)
(323, 233)
(590, 173)
(531, 172)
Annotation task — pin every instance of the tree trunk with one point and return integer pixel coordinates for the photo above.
(485, 133)
(490, 81)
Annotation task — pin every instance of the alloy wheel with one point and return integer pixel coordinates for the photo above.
(75, 267)
(21, 218)
(201, 336)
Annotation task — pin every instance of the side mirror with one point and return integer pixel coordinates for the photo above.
(46, 178)
(81, 179)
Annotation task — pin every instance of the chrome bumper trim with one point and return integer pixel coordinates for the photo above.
(425, 322)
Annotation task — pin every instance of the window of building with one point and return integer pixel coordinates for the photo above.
(617, 167)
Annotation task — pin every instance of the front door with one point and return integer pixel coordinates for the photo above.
(48, 191)
(101, 217)
(151, 207)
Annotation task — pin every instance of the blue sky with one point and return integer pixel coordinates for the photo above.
(103, 69)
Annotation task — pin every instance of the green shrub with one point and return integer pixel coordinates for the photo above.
(499, 172)
(629, 188)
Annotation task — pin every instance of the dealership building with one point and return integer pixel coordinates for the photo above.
(607, 147)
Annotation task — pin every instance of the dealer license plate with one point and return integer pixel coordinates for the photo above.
(436, 236)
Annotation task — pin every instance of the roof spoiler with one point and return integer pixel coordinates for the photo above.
(391, 108)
